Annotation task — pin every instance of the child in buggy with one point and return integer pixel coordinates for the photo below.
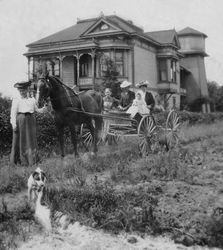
(138, 107)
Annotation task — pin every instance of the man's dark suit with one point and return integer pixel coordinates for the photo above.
(149, 100)
(127, 99)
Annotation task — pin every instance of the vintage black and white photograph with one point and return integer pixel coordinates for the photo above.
(111, 125)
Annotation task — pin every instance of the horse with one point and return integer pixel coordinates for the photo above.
(71, 109)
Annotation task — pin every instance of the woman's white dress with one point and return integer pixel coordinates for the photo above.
(138, 106)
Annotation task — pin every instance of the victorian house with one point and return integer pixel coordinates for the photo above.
(172, 62)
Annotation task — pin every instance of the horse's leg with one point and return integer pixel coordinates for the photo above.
(73, 133)
(60, 130)
(93, 132)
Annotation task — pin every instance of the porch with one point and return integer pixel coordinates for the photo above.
(83, 69)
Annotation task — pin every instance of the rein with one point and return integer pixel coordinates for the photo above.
(99, 115)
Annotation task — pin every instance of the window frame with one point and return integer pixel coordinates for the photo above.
(120, 62)
(84, 67)
(165, 70)
(173, 70)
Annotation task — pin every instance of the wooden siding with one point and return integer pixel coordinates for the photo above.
(145, 66)
(68, 71)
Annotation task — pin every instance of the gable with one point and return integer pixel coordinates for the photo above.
(102, 26)
(165, 37)
(176, 41)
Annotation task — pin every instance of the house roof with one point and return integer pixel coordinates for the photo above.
(189, 31)
(71, 33)
(162, 36)
(75, 32)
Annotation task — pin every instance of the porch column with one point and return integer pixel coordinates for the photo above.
(93, 75)
(28, 68)
(78, 70)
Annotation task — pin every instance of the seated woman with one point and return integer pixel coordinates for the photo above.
(138, 107)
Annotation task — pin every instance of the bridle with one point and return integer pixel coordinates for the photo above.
(66, 89)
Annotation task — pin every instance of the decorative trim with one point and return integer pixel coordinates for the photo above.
(87, 32)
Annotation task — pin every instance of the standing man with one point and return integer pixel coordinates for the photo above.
(127, 96)
(149, 99)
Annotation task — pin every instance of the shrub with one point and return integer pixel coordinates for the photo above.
(46, 130)
(198, 118)
(5, 132)
(196, 105)
(47, 134)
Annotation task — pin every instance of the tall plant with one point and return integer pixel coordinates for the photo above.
(110, 76)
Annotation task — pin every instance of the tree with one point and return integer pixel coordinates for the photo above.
(5, 103)
(110, 76)
(213, 93)
(219, 103)
(216, 96)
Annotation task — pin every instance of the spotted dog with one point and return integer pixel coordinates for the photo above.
(36, 181)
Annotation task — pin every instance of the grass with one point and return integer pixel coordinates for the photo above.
(123, 191)
(193, 133)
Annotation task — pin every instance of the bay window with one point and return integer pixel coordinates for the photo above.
(162, 68)
(119, 61)
(173, 71)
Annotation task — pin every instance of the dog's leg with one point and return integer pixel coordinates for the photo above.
(29, 194)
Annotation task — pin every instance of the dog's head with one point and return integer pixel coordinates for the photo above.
(39, 178)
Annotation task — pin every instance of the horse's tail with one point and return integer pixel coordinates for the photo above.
(99, 119)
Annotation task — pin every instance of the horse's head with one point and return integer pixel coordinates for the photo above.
(43, 90)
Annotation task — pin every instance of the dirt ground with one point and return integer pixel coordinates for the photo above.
(191, 202)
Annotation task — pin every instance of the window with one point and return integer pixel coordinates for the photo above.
(103, 62)
(85, 66)
(119, 60)
(173, 71)
(53, 67)
(162, 70)
(84, 69)
(49, 67)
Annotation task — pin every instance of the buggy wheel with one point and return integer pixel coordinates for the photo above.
(146, 134)
(172, 126)
(86, 137)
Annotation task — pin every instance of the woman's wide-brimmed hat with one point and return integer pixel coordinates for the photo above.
(143, 83)
(22, 85)
(125, 84)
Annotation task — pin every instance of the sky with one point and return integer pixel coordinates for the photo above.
(26, 21)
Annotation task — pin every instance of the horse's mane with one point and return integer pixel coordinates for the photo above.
(56, 79)
(69, 93)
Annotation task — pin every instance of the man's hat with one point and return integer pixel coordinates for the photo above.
(125, 84)
(22, 85)
(143, 83)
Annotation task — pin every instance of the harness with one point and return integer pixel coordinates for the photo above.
(69, 97)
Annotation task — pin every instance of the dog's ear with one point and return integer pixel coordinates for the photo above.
(43, 176)
(35, 176)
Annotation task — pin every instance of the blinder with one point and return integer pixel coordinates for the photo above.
(43, 86)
